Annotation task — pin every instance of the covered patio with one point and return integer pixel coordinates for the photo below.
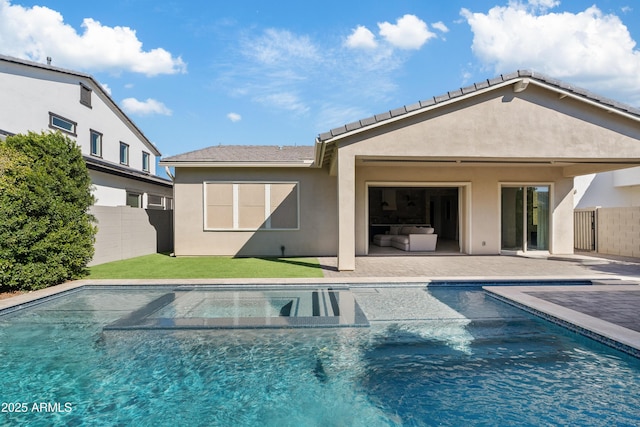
(510, 147)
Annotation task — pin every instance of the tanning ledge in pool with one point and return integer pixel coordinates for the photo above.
(191, 309)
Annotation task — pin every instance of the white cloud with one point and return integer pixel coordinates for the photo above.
(283, 72)
(409, 32)
(38, 32)
(588, 48)
(145, 108)
(234, 117)
(272, 68)
(361, 37)
(440, 26)
(276, 46)
(543, 4)
(106, 88)
(284, 101)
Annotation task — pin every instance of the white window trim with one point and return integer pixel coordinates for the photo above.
(138, 194)
(267, 208)
(155, 205)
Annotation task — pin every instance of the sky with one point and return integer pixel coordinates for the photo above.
(192, 74)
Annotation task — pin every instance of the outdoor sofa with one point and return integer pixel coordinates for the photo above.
(408, 238)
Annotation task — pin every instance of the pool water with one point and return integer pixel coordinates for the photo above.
(427, 357)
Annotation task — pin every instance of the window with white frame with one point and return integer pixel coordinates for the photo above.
(145, 161)
(60, 123)
(134, 199)
(96, 143)
(251, 206)
(124, 154)
(154, 201)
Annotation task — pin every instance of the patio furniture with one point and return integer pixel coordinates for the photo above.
(408, 238)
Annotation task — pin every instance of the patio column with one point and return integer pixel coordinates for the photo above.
(346, 211)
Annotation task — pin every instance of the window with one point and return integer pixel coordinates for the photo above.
(60, 123)
(124, 153)
(145, 161)
(525, 217)
(154, 201)
(96, 143)
(133, 200)
(251, 206)
(85, 95)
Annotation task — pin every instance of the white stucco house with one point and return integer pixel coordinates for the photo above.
(121, 160)
(609, 189)
(134, 206)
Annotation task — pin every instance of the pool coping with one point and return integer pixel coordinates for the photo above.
(610, 334)
(31, 296)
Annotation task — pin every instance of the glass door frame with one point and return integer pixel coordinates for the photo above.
(525, 225)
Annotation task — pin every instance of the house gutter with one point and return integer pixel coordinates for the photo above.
(214, 164)
(319, 153)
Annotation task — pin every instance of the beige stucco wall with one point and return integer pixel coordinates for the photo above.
(535, 125)
(480, 220)
(479, 144)
(318, 226)
(498, 125)
(125, 232)
(619, 231)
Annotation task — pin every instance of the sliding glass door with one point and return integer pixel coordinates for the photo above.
(525, 218)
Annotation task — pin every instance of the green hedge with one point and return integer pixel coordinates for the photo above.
(46, 230)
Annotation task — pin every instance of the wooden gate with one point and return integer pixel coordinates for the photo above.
(584, 229)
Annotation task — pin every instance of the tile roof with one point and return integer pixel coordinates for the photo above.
(247, 154)
(306, 154)
(429, 102)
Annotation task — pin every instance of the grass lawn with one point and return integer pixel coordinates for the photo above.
(160, 266)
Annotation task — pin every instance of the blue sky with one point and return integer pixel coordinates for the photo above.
(195, 74)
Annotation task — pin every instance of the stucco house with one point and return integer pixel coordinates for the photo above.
(487, 168)
(133, 205)
(607, 214)
(121, 159)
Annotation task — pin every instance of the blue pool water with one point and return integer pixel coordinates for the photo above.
(424, 357)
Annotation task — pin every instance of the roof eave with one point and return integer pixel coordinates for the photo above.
(112, 169)
(519, 85)
(218, 164)
(152, 147)
(568, 94)
(419, 111)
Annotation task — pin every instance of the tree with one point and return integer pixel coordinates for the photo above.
(46, 230)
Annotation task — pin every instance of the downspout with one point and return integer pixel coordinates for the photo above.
(319, 155)
(167, 169)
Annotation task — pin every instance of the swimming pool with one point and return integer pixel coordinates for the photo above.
(400, 356)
